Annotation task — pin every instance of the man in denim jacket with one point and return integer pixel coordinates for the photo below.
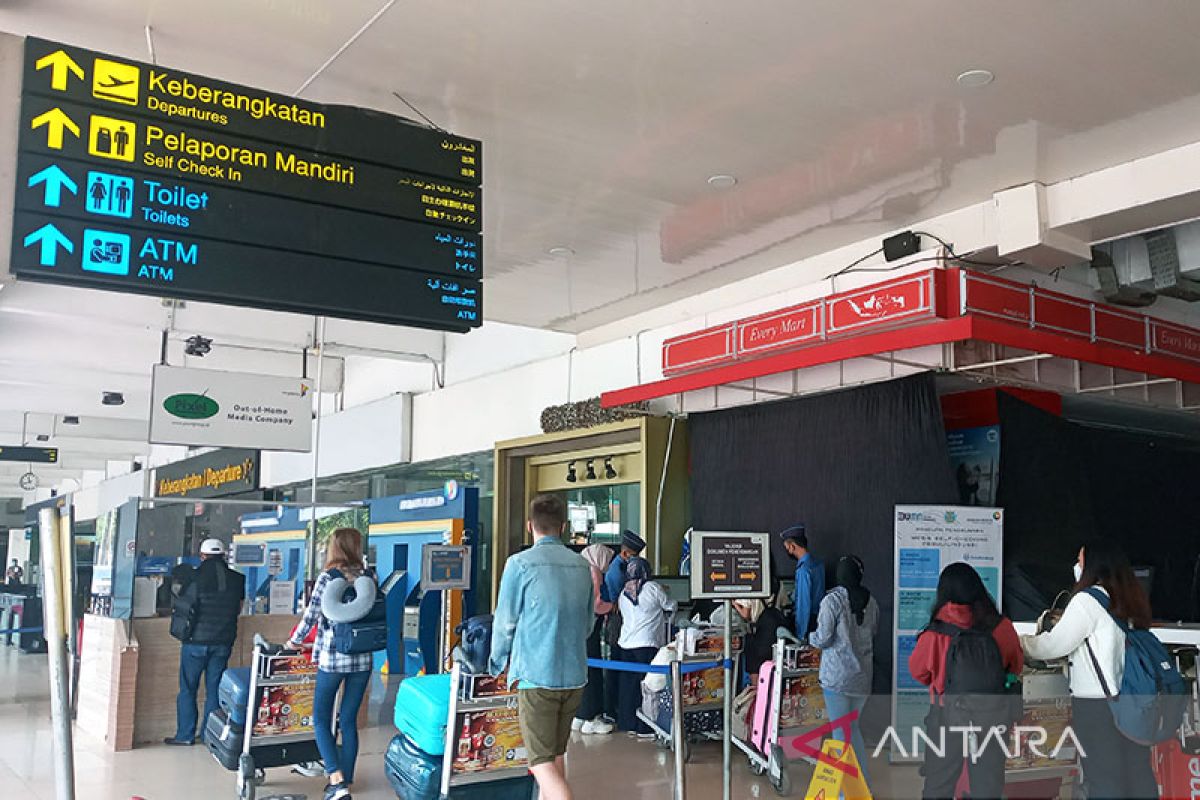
(542, 621)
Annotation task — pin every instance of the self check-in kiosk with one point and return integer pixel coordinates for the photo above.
(401, 527)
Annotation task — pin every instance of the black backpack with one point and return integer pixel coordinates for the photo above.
(976, 679)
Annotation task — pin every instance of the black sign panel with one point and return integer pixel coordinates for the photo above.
(139, 179)
(179, 154)
(221, 472)
(34, 455)
(165, 206)
(730, 565)
(68, 251)
(165, 95)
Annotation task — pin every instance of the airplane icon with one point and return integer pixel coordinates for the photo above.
(113, 82)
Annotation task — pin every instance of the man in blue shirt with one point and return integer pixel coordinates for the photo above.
(810, 580)
(544, 614)
(614, 582)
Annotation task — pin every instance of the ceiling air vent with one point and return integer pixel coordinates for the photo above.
(1110, 285)
(1164, 267)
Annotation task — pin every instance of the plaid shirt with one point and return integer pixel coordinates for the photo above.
(328, 659)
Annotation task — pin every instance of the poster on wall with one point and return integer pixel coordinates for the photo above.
(975, 458)
(927, 540)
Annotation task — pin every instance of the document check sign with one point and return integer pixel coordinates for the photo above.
(730, 565)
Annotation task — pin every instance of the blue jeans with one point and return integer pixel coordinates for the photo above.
(839, 705)
(197, 661)
(325, 695)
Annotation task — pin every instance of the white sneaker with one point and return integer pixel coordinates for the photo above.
(577, 725)
(596, 727)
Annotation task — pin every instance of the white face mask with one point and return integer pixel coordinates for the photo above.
(1078, 570)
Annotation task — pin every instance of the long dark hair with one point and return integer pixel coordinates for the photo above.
(1105, 564)
(960, 583)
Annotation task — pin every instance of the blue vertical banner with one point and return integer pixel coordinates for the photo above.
(975, 458)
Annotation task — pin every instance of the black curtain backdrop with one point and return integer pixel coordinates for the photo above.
(839, 463)
(1062, 483)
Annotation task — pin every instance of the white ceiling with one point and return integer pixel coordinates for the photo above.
(602, 122)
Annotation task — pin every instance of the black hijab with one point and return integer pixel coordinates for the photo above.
(849, 576)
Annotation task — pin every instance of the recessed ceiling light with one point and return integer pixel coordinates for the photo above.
(974, 78)
(112, 399)
(561, 251)
(721, 181)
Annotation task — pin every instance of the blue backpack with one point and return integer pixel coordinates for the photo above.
(359, 621)
(1149, 704)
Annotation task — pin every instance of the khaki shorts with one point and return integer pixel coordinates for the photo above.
(546, 716)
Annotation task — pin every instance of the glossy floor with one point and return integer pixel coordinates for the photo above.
(601, 768)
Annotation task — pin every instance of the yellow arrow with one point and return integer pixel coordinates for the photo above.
(61, 67)
(56, 122)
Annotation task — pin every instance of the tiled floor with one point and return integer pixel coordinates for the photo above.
(601, 768)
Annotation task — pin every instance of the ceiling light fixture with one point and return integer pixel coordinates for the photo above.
(721, 181)
(112, 399)
(609, 472)
(571, 476)
(974, 78)
(561, 251)
(591, 469)
(70, 419)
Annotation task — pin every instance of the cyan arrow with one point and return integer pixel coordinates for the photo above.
(55, 180)
(50, 238)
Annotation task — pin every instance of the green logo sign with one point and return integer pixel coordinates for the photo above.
(191, 406)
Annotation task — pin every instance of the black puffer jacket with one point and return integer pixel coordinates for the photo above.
(212, 601)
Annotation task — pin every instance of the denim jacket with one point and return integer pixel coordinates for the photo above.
(543, 617)
(847, 648)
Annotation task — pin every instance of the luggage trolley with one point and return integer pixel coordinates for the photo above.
(703, 691)
(794, 703)
(485, 753)
(278, 728)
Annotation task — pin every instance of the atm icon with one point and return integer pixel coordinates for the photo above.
(106, 252)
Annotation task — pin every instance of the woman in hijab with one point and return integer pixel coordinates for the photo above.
(644, 605)
(846, 625)
(588, 719)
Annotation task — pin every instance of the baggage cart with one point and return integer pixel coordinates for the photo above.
(278, 728)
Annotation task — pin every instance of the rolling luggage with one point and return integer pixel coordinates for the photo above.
(234, 694)
(414, 774)
(764, 708)
(224, 740)
(422, 710)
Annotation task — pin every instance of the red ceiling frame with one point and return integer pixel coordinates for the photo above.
(969, 306)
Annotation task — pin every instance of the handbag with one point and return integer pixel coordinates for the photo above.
(612, 627)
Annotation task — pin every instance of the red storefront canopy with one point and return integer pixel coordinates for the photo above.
(936, 307)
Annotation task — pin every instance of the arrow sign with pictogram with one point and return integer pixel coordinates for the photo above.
(56, 123)
(54, 180)
(50, 239)
(62, 67)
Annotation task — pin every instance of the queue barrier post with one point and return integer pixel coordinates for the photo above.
(678, 736)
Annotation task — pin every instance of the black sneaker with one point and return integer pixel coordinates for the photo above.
(173, 742)
(337, 791)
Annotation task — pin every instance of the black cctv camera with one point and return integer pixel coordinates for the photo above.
(198, 346)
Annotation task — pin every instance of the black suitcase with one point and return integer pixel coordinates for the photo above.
(224, 740)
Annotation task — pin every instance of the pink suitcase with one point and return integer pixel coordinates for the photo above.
(764, 707)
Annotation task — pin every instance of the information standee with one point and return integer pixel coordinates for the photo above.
(732, 566)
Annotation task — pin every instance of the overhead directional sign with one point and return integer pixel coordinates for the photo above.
(33, 455)
(730, 566)
(138, 178)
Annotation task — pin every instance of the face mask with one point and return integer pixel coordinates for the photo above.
(1078, 570)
